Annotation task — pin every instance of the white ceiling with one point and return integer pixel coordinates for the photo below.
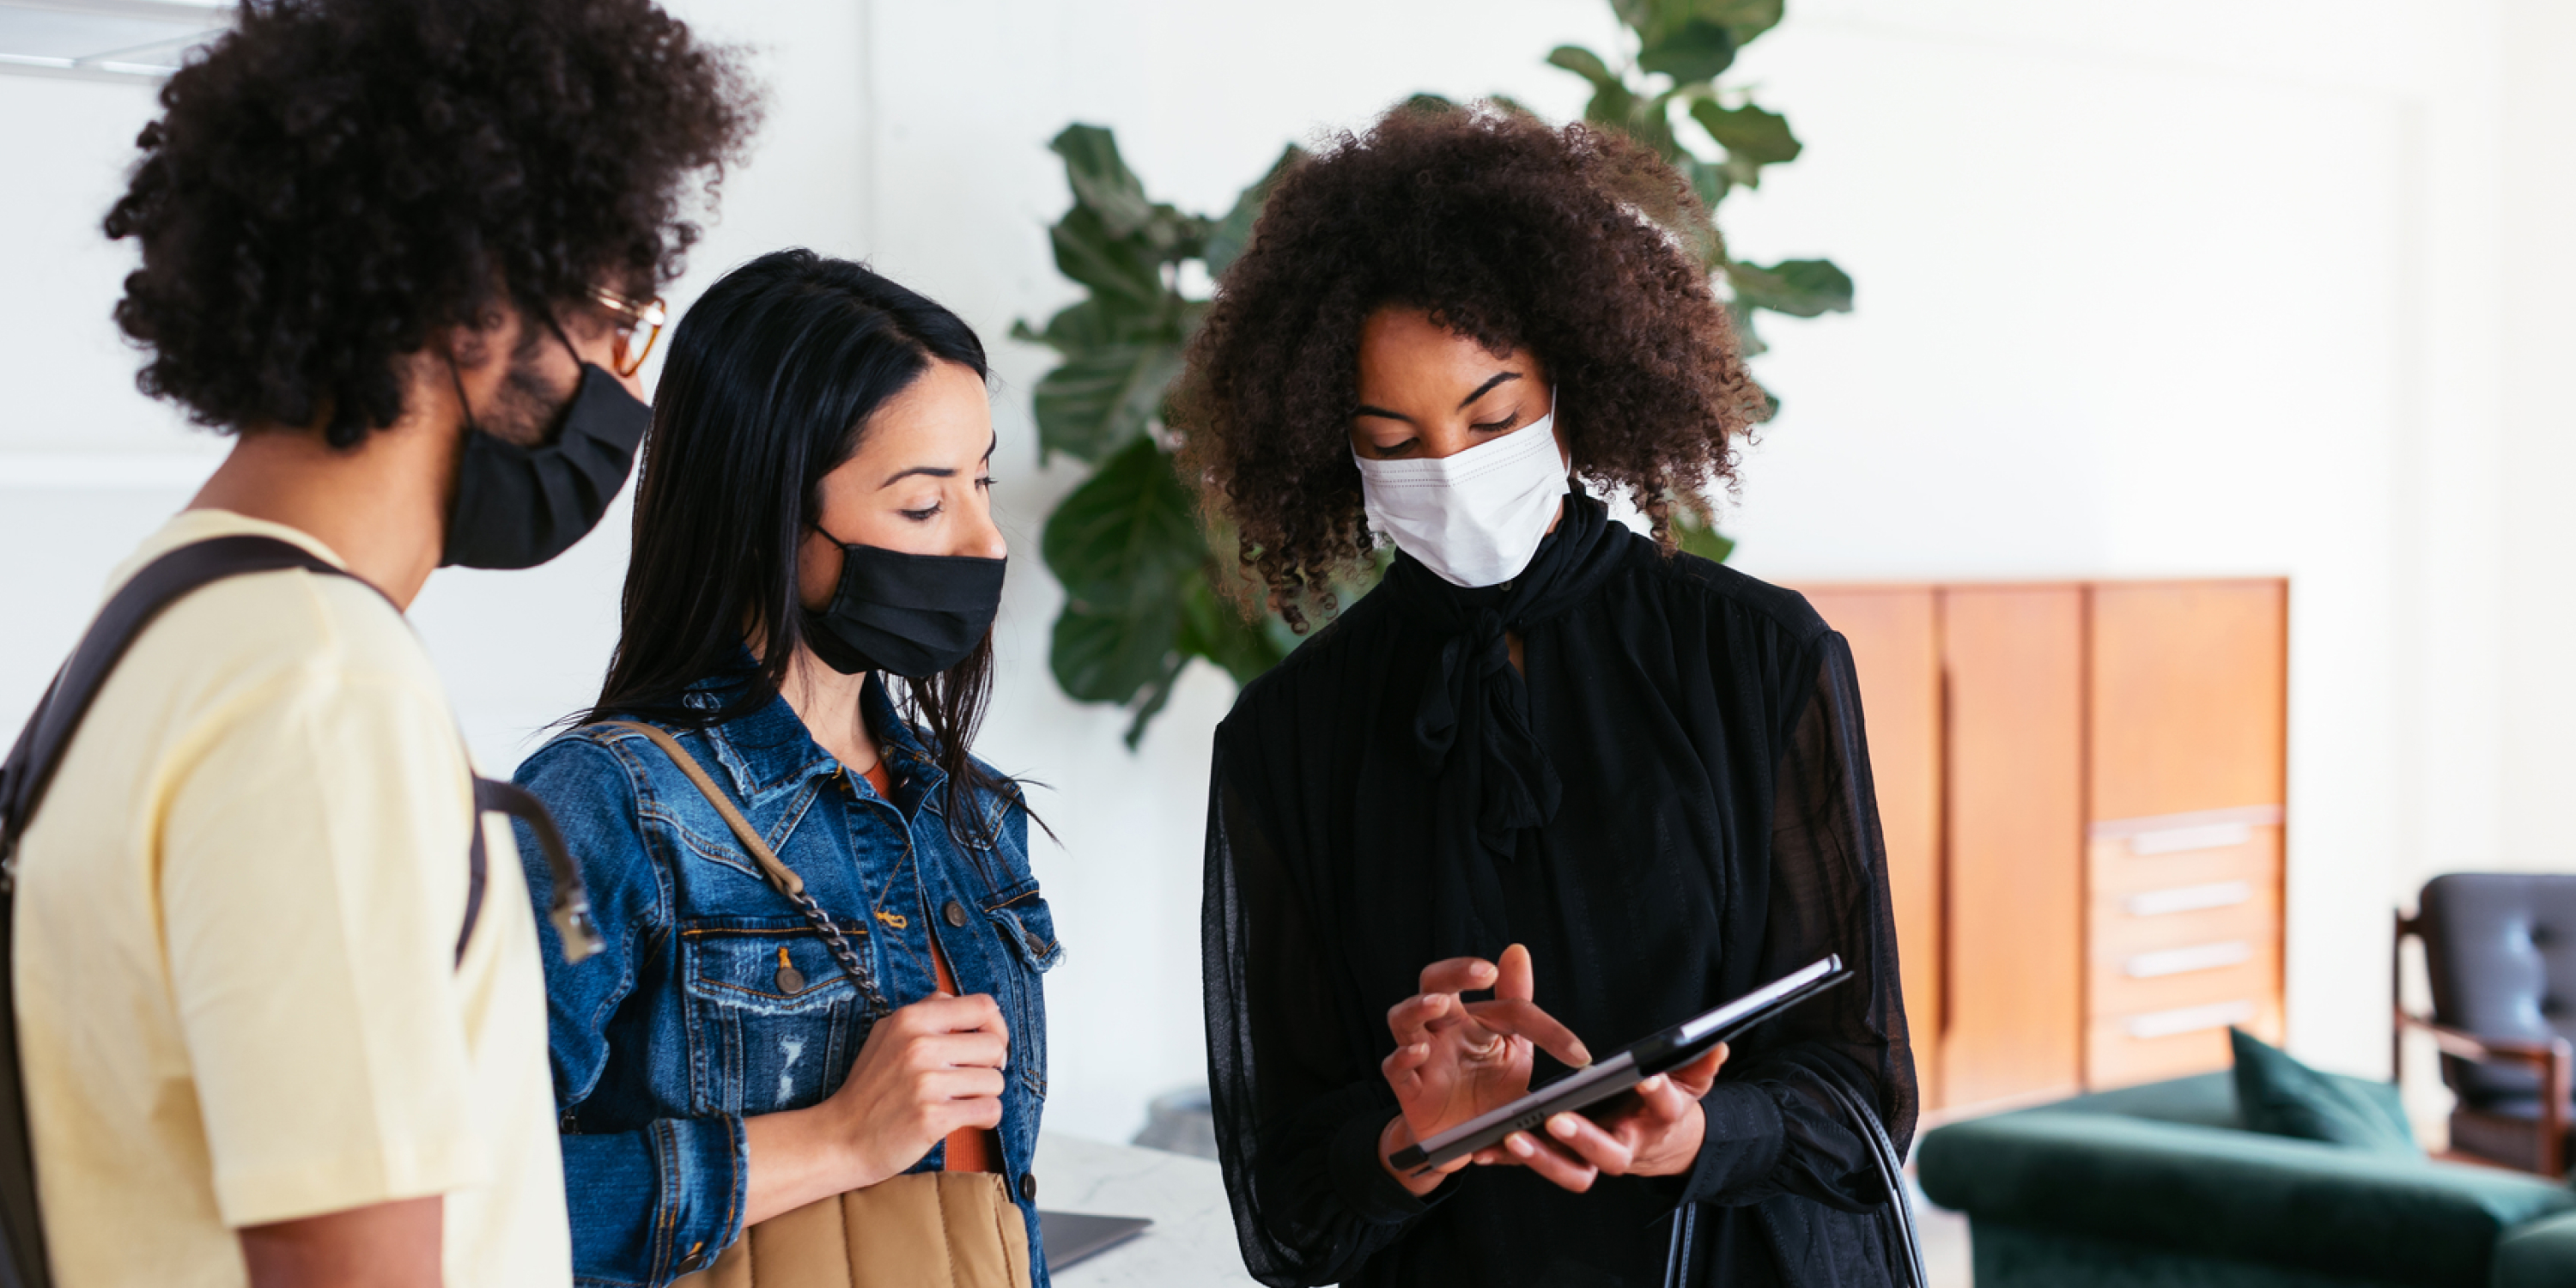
(114, 39)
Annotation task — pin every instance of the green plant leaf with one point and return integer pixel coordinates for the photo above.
(1696, 50)
(1748, 338)
(1101, 180)
(1124, 545)
(1083, 324)
(1234, 232)
(1802, 288)
(1707, 179)
(1584, 63)
(1744, 19)
(1123, 269)
(1753, 138)
(1098, 398)
(1212, 629)
(1706, 542)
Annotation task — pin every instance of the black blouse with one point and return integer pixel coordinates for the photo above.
(1670, 805)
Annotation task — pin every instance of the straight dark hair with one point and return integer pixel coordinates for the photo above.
(770, 382)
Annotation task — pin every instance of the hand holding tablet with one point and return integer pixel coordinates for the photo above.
(1461, 1079)
(1456, 1059)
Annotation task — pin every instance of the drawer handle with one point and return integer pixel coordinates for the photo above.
(2188, 1019)
(2190, 898)
(2179, 961)
(2179, 840)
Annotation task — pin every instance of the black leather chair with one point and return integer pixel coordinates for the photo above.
(2500, 954)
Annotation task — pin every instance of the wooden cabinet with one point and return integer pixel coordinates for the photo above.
(1895, 637)
(2188, 690)
(2081, 788)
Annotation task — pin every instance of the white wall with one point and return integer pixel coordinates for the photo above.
(2262, 287)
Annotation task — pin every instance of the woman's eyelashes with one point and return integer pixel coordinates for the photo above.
(982, 482)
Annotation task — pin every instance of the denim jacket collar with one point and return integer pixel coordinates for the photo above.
(768, 752)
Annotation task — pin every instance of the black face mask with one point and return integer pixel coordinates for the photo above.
(517, 507)
(908, 615)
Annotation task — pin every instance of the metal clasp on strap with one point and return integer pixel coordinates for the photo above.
(570, 911)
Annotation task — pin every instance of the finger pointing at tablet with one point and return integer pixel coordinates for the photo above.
(1455, 1059)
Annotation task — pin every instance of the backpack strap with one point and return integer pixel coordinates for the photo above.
(23, 780)
(29, 772)
(39, 751)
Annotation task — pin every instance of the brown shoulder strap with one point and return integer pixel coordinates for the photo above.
(781, 877)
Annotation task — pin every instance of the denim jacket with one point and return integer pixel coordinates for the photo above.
(666, 1040)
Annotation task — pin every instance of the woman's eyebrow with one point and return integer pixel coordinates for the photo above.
(1499, 377)
(1486, 388)
(939, 471)
(934, 471)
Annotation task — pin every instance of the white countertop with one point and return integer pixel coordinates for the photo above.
(1191, 1242)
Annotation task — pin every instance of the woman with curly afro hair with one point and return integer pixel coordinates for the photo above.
(1547, 756)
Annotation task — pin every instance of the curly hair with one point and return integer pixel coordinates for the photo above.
(1505, 230)
(336, 181)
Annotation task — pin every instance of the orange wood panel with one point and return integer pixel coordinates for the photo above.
(2014, 663)
(2189, 692)
(1895, 642)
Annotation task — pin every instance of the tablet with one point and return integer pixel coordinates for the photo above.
(1602, 1079)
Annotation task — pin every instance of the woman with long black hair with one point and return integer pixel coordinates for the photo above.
(1546, 758)
(836, 982)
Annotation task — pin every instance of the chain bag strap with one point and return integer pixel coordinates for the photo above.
(954, 1229)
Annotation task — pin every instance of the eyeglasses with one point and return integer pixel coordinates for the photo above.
(645, 319)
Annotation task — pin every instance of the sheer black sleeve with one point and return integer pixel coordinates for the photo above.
(1297, 1095)
(1772, 1129)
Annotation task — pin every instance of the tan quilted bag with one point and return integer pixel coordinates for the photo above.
(918, 1230)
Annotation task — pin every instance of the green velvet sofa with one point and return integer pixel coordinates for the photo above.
(2159, 1187)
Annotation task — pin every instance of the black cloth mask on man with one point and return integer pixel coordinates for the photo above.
(517, 507)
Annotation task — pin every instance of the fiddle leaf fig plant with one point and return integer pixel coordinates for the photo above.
(1665, 85)
(1138, 569)
(1138, 573)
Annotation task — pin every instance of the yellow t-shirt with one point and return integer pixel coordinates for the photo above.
(238, 994)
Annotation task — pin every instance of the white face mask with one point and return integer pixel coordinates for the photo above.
(1477, 517)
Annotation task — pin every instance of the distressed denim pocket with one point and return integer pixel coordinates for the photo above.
(763, 1038)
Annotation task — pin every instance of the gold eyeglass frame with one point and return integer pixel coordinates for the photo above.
(647, 316)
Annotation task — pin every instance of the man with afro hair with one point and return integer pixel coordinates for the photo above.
(278, 1023)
